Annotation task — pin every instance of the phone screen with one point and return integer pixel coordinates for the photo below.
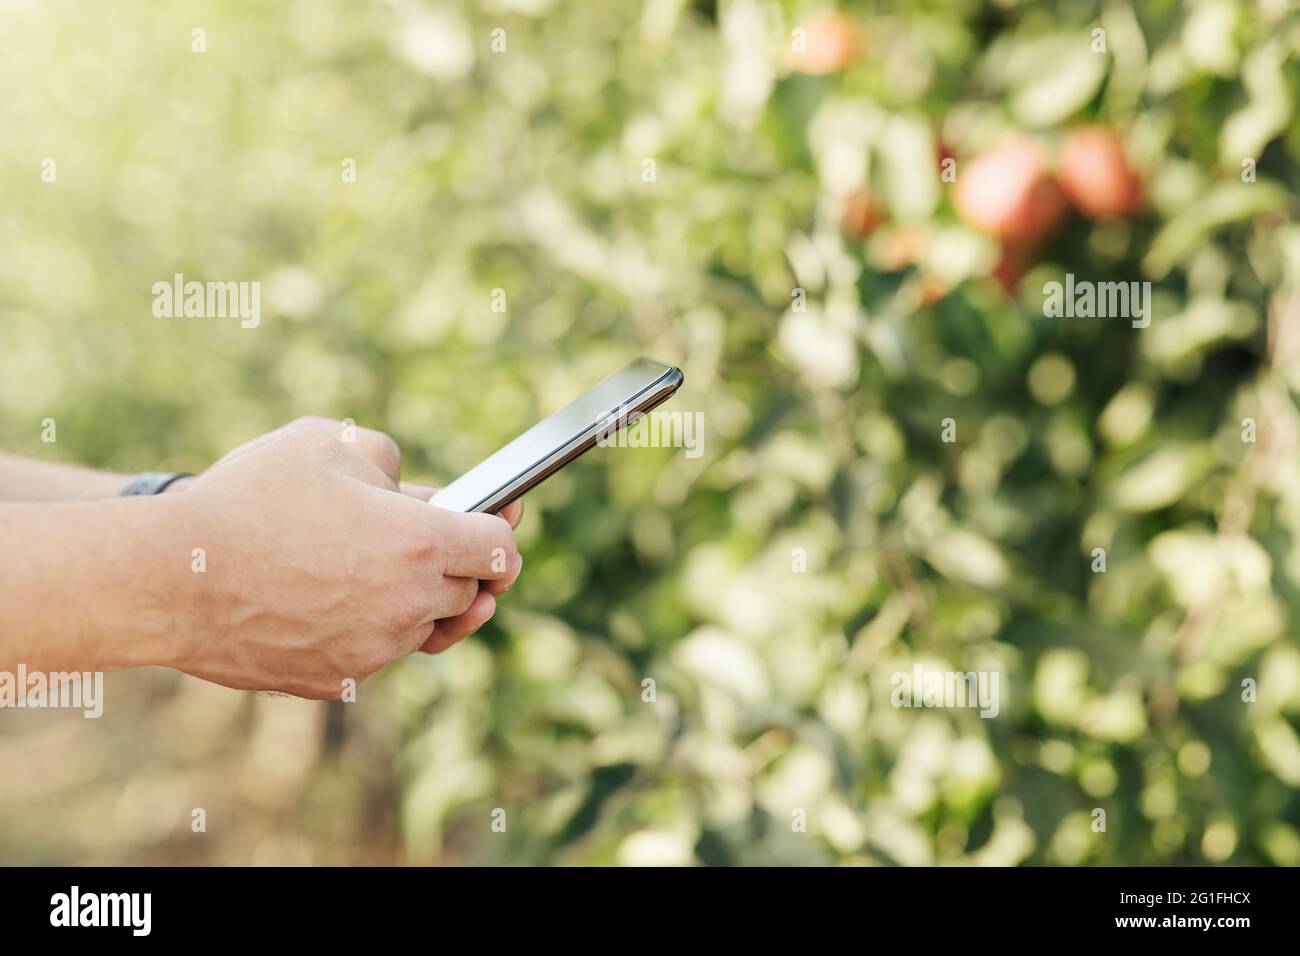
(555, 441)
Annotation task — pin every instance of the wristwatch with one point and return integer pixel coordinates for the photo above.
(153, 482)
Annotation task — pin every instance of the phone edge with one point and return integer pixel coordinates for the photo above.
(658, 391)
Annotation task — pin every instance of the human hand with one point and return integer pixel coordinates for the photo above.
(319, 569)
(384, 454)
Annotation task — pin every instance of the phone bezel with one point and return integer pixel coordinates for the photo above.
(653, 394)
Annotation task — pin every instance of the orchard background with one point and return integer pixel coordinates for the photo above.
(840, 224)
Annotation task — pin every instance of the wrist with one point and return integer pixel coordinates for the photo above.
(157, 615)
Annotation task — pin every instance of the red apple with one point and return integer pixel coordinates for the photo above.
(830, 42)
(899, 246)
(861, 214)
(1008, 193)
(1097, 176)
(933, 290)
(943, 154)
(1010, 268)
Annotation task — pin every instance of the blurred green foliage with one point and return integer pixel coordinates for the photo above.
(526, 170)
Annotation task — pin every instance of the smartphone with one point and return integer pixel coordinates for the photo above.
(555, 441)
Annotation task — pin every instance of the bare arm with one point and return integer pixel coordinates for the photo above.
(26, 479)
(91, 586)
(294, 563)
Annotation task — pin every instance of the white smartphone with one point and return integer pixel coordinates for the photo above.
(555, 441)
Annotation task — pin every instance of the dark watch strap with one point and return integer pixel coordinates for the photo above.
(152, 482)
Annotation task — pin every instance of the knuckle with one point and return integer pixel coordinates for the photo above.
(421, 551)
(380, 449)
(388, 452)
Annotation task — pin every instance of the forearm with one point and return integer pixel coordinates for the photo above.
(94, 586)
(26, 479)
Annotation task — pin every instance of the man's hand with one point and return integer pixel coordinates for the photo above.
(318, 569)
(374, 446)
(382, 452)
(317, 565)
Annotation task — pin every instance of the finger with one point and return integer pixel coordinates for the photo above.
(455, 629)
(502, 585)
(471, 545)
(379, 449)
(513, 512)
(450, 597)
(422, 492)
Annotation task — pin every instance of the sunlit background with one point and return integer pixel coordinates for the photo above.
(840, 226)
